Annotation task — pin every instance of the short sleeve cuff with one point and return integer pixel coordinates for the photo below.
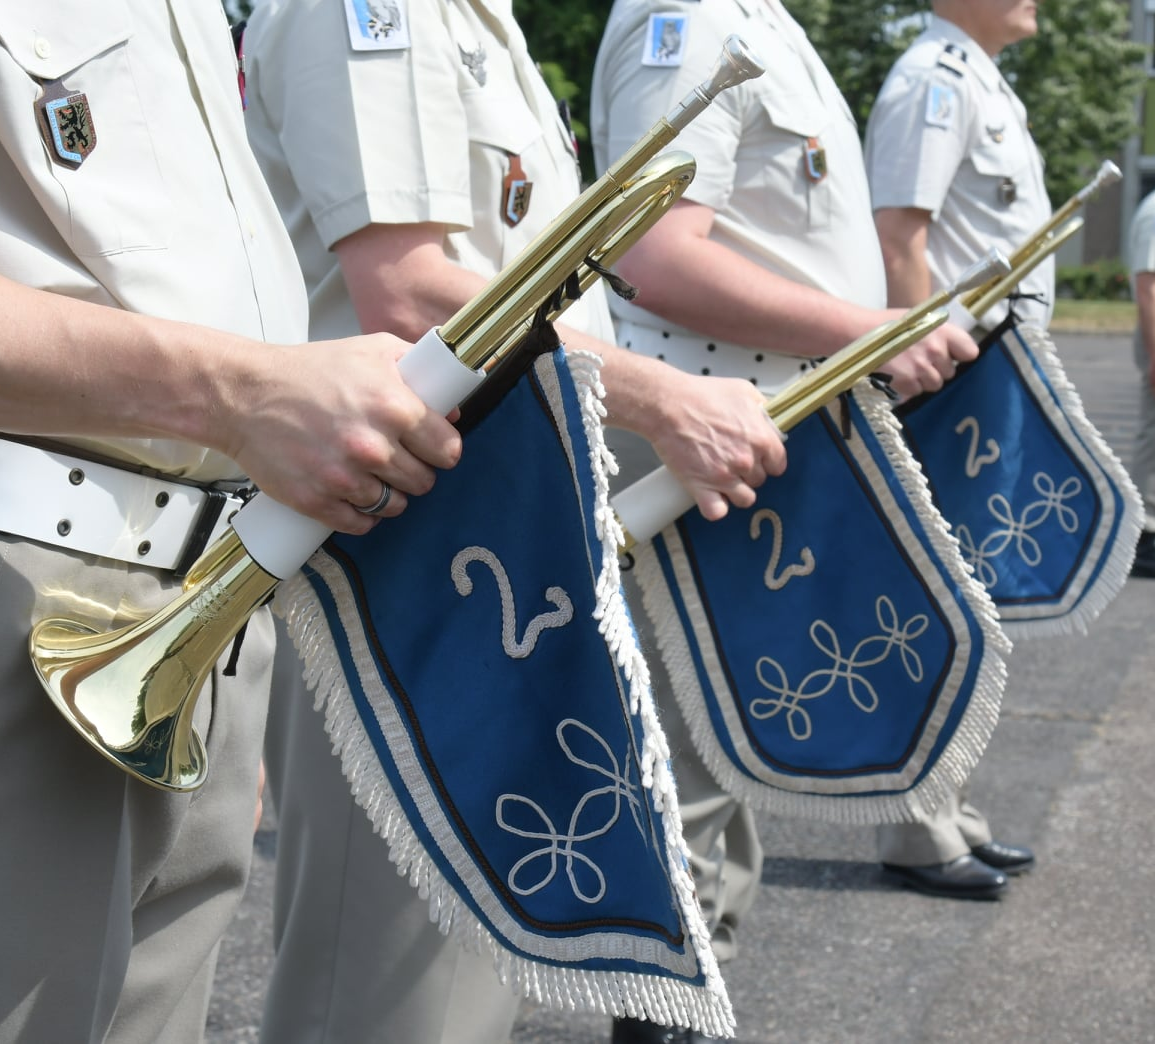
(342, 219)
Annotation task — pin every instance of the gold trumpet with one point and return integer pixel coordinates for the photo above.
(646, 507)
(1052, 234)
(131, 693)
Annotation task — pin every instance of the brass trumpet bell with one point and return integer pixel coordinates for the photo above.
(131, 693)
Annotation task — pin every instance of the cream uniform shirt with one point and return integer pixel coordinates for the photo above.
(168, 214)
(1141, 239)
(948, 135)
(752, 145)
(418, 124)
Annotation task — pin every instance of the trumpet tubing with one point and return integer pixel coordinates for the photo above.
(131, 693)
(979, 302)
(603, 237)
(1044, 241)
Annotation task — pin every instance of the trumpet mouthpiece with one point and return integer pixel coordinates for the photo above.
(736, 64)
(1107, 174)
(991, 265)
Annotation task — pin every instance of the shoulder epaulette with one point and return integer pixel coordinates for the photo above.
(953, 59)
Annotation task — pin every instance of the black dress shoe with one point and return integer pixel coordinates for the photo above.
(963, 878)
(639, 1031)
(1144, 564)
(1010, 859)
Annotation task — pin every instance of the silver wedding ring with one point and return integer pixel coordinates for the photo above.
(373, 509)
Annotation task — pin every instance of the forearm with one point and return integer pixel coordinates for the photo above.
(73, 368)
(903, 237)
(319, 427)
(637, 392)
(400, 279)
(707, 287)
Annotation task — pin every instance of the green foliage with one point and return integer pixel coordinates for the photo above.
(238, 9)
(1105, 280)
(1079, 77)
(859, 42)
(563, 37)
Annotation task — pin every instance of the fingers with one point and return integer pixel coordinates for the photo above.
(433, 440)
(734, 451)
(927, 365)
(961, 346)
(345, 518)
(774, 455)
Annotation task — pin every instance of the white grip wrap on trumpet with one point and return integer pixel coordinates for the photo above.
(957, 313)
(436, 376)
(281, 540)
(652, 503)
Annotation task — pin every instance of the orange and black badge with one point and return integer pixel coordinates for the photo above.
(816, 168)
(66, 126)
(516, 190)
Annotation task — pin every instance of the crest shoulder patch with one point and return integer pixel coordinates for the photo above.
(941, 103)
(377, 25)
(665, 39)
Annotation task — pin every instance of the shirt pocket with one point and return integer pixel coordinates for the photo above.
(1001, 169)
(501, 125)
(791, 150)
(116, 199)
(500, 120)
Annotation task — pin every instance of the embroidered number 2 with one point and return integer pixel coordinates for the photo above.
(975, 463)
(777, 581)
(517, 650)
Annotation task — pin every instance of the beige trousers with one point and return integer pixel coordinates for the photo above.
(114, 895)
(1143, 465)
(357, 959)
(951, 831)
(726, 853)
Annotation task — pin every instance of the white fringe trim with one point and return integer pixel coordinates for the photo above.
(1117, 566)
(956, 762)
(661, 1000)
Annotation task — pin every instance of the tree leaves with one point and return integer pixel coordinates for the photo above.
(1079, 77)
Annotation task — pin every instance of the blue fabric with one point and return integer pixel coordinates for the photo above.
(835, 629)
(528, 798)
(1035, 511)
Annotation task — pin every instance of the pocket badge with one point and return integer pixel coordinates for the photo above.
(65, 120)
(816, 168)
(516, 190)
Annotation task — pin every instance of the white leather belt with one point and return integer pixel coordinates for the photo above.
(767, 371)
(108, 511)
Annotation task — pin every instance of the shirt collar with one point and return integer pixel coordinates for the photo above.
(978, 59)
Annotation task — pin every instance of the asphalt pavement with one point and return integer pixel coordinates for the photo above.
(833, 954)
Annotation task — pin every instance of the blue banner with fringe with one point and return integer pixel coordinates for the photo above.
(482, 684)
(1044, 511)
(829, 649)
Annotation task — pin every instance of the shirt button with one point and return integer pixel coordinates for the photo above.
(42, 47)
